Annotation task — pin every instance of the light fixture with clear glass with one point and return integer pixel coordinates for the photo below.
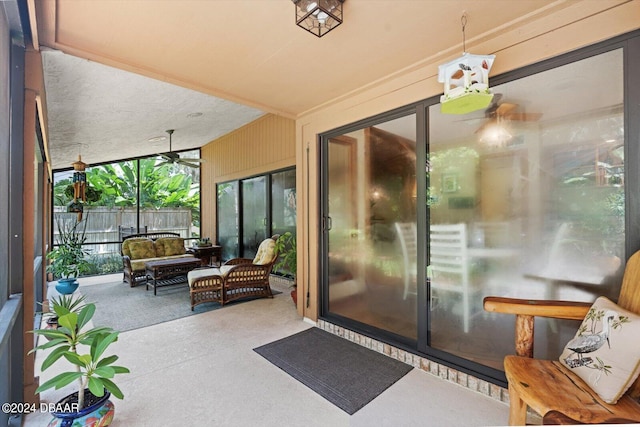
(318, 16)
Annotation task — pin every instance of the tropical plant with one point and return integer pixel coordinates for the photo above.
(63, 304)
(68, 258)
(93, 370)
(287, 254)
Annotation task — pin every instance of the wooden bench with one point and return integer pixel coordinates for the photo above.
(547, 386)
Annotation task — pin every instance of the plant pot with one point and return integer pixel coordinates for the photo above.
(67, 286)
(98, 414)
(294, 296)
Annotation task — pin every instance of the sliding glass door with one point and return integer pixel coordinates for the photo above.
(254, 208)
(370, 221)
(254, 214)
(527, 201)
(425, 214)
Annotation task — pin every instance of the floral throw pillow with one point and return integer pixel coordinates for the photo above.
(605, 352)
(141, 249)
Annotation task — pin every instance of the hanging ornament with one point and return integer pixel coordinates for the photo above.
(79, 187)
(466, 81)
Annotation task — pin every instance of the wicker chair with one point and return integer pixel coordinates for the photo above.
(240, 277)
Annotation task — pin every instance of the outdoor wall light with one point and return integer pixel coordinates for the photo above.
(318, 16)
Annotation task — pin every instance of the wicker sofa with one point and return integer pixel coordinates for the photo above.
(236, 279)
(138, 249)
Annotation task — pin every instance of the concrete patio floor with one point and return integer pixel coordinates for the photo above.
(202, 370)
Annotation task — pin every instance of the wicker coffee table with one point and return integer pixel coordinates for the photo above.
(169, 271)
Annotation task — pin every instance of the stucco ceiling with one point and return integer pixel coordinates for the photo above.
(231, 60)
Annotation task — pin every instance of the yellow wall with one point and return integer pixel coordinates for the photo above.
(264, 145)
(580, 24)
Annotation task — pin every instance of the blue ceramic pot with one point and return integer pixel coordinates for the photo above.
(100, 414)
(67, 286)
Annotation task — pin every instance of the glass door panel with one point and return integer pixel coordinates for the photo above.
(371, 216)
(228, 219)
(526, 200)
(283, 202)
(254, 215)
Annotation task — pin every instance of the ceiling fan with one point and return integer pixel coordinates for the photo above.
(174, 158)
(506, 111)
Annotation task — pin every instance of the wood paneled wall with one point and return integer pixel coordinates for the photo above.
(264, 145)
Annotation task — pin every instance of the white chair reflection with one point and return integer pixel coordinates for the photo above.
(450, 264)
(407, 236)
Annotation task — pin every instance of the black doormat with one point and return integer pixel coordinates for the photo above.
(346, 374)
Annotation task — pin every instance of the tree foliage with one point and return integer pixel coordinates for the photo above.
(162, 186)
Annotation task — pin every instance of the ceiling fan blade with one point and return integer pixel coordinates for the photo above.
(523, 117)
(185, 163)
(505, 108)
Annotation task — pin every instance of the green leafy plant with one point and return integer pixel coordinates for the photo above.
(204, 241)
(287, 254)
(93, 370)
(63, 304)
(67, 260)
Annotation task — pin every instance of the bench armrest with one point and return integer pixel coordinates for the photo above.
(571, 310)
(525, 312)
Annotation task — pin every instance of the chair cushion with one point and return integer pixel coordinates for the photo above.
(605, 351)
(201, 272)
(143, 248)
(266, 252)
(168, 246)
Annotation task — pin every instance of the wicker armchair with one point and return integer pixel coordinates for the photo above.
(241, 277)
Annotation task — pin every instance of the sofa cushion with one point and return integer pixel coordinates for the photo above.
(143, 248)
(169, 246)
(125, 245)
(266, 252)
(138, 265)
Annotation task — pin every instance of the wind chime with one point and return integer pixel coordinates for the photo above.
(79, 187)
(466, 81)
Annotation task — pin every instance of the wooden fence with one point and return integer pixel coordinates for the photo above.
(102, 224)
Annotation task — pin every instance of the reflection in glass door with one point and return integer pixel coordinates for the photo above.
(228, 219)
(254, 215)
(526, 200)
(371, 219)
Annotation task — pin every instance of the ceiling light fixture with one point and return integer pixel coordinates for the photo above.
(466, 81)
(318, 16)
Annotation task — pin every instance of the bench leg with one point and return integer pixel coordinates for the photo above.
(517, 409)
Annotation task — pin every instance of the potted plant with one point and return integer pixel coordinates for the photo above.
(288, 259)
(61, 305)
(203, 242)
(92, 370)
(67, 260)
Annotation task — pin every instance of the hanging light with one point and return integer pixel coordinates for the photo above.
(318, 16)
(466, 81)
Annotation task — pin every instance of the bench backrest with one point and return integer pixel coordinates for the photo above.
(153, 236)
